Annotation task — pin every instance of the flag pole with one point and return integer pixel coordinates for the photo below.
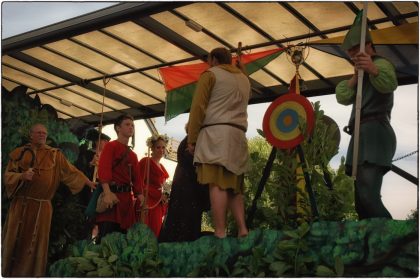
(360, 74)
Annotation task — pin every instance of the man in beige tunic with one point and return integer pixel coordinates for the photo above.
(32, 177)
(216, 136)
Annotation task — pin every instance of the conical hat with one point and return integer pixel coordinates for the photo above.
(353, 36)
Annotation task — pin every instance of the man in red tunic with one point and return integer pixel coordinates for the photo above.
(118, 174)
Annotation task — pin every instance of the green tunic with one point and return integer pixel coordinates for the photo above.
(377, 142)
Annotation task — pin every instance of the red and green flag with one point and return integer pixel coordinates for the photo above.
(180, 81)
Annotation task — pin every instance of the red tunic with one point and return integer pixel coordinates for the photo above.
(124, 211)
(157, 177)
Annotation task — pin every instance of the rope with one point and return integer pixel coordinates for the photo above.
(144, 209)
(405, 156)
(105, 81)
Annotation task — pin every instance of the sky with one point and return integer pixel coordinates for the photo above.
(399, 195)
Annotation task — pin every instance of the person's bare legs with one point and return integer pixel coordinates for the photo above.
(236, 203)
(219, 203)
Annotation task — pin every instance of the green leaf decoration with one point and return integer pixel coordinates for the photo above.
(323, 271)
(112, 258)
(339, 266)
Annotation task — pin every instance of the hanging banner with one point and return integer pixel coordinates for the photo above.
(180, 81)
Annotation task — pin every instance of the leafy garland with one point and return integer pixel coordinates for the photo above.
(154, 138)
(324, 249)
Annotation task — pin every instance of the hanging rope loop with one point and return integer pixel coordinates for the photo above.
(105, 81)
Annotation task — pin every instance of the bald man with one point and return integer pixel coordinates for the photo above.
(32, 177)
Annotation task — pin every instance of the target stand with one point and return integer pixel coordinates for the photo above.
(282, 126)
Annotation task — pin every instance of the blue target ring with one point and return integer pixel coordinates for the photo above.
(287, 120)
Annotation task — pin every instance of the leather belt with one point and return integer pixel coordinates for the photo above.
(119, 188)
(229, 124)
(350, 128)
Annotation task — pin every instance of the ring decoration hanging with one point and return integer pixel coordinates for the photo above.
(281, 120)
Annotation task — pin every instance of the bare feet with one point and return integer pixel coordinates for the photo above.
(220, 235)
(242, 231)
(243, 234)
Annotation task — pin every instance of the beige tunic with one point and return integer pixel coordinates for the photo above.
(26, 231)
(221, 96)
(225, 145)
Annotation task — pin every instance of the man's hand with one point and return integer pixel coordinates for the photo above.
(91, 184)
(191, 148)
(110, 199)
(95, 160)
(363, 61)
(27, 175)
(241, 67)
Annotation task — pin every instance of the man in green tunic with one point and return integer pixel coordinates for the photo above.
(377, 141)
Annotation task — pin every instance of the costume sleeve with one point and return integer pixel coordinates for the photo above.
(344, 94)
(105, 164)
(70, 175)
(12, 178)
(386, 80)
(199, 105)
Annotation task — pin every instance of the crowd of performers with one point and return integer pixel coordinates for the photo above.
(212, 160)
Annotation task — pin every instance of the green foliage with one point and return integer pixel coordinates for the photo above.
(20, 112)
(414, 215)
(336, 204)
(324, 271)
(211, 267)
(206, 222)
(134, 254)
(289, 257)
(68, 224)
(307, 251)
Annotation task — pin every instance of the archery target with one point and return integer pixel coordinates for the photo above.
(281, 120)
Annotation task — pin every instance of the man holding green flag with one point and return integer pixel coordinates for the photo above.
(377, 141)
